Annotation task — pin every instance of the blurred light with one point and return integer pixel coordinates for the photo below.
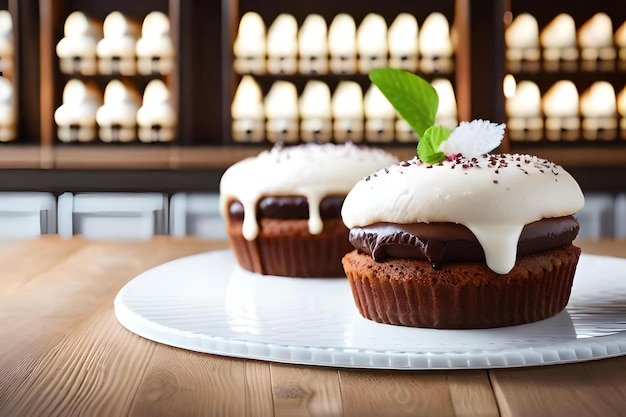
(509, 85)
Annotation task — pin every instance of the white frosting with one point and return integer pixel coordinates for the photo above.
(311, 170)
(492, 195)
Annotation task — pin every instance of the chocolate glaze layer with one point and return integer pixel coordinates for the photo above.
(441, 243)
(289, 208)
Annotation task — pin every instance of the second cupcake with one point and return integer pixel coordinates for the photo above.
(283, 207)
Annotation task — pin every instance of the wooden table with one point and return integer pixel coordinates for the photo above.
(63, 353)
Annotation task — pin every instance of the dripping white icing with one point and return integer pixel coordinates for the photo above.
(492, 195)
(311, 170)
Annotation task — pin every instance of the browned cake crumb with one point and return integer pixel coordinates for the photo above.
(286, 248)
(463, 295)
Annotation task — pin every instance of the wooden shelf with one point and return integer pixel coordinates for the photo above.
(215, 157)
(23, 156)
(199, 169)
(124, 157)
(113, 158)
(218, 158)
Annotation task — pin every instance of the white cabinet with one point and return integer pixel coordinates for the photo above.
(197, 215)
(26, 215)
(131, 216)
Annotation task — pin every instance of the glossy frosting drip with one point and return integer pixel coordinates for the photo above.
(313, 171)
(442, 243)
(494, 196)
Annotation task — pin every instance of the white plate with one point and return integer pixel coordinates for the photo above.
(207, 303)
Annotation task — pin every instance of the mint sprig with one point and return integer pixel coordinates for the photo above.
(428, 145)
(416, 101)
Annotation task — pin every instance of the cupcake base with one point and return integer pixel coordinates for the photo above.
(286, 248)
(464, 295)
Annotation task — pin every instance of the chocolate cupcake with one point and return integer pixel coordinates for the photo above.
(283, 207)
(460, 238)
(465, 243)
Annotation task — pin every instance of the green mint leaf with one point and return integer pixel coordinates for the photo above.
(428, 146)
(413, 97)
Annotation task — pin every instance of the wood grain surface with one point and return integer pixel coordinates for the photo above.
(63, 353)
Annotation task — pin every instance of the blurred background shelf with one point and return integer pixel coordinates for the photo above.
(203, 82)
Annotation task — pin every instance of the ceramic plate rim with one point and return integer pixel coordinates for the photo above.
(555, 352)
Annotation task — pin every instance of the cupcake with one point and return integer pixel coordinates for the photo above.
(283, 207)
(458, 237)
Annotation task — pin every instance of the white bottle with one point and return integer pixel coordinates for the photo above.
(371, 42)
(598, 108)
(403, 38)
(76, 117)
(595, 38)
(155, 50)
(621, 110)
(116, 50)
(8, 118)
(522, 43)
(342, 44)
(435, 44)
(77, 49)
(558, 40)
(523, 110)
(248, 115)
(156, 118)
(281, 112)
(282, 45)
(561, 108)
(620, 44)
(379, 116)
(315, 112)
(117, 117)
(347, 108)
(313, 45)
(249, 47)
(447, 114)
